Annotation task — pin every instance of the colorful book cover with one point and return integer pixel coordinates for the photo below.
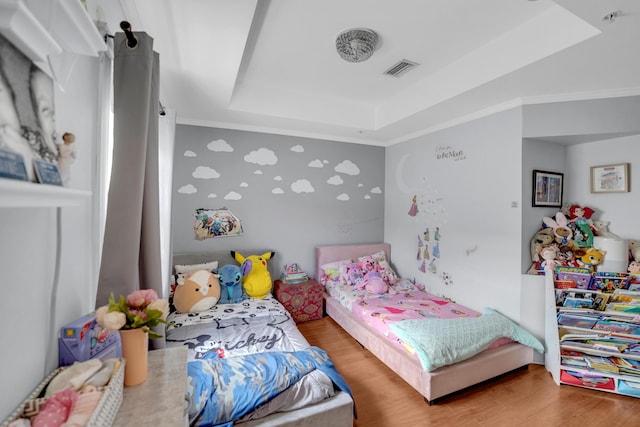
(617, 327)
(565, 319)
(601, 364)
(607, 283)
(580, 276)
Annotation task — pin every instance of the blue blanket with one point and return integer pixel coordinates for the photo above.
(440, 342)
(223, 390)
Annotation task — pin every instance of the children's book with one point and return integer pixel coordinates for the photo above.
(577, 321)
(580, 276)
(601, 364)
(616, 326)
(608, 282)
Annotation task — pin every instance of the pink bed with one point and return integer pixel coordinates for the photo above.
(373, 334)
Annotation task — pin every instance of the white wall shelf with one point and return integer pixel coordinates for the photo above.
(14, 194)
(50, 33)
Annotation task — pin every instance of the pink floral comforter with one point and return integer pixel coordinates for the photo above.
(409, 302)
(382, 310)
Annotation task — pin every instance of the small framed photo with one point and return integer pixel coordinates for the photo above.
(610, 178)
(547, 189)
(12, 166)
(47, 173)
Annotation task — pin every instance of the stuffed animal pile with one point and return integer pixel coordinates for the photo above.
(201, 289)
(368, 274)
(567, 240)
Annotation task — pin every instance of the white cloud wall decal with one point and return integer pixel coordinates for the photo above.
(277, 178)
(316, 164)
(190, 153)
(232, 195)
(297, 148)
(263, 156)
(187, 189)
(244, 184)
(335, 180)
(277, 190)
(348, 167)
(376, 190)
(302, 186)
(212, 196)
(343, 197)
(258, 172)
(205, 172)
(219, 145)
(367, 197)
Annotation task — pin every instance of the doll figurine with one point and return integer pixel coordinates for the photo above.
(581, 217)
(66, 156)
(413, 210)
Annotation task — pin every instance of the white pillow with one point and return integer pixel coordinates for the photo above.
(331, 270)
(186, 268)
(378, 256)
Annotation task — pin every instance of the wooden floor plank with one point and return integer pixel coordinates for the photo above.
(521, 398)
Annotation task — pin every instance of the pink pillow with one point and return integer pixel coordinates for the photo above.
(56, 409)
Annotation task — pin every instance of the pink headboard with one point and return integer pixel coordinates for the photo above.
(326, 254)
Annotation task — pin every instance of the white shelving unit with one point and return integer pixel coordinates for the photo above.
(49, 33)
(601, 380)
(14, 194)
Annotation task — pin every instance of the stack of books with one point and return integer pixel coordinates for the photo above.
(292, 274)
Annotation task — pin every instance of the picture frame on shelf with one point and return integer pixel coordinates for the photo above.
(47, 173)
(612, 178)
(547, 189)
(12, 166)
(28, 127)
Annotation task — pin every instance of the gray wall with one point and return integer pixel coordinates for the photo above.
(290, 193)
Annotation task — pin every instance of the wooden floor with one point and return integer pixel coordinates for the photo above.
(522, 398)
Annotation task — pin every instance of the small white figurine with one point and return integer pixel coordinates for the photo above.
(66, 156)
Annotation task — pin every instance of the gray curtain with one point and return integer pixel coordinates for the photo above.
(131, 255)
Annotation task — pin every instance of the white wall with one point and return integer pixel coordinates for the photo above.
(619, 209)
(485, 242)
(27, 255)
(470, 197)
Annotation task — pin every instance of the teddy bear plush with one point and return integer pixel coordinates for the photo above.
(197, 291)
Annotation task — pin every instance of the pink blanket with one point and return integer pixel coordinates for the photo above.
(378, 312)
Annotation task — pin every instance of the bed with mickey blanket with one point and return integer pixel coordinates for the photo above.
(437, 346)
(249, 365)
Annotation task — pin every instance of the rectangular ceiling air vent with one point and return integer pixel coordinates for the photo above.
(400, 68)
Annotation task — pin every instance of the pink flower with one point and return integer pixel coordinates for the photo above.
(141, 298)
(140, 313)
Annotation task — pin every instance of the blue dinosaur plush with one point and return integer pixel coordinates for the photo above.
(230, 277)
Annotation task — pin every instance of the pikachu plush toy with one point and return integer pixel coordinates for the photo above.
(257, 282)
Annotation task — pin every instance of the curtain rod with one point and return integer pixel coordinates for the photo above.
(132, 41)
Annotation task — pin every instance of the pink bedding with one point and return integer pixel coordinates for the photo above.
(380, 311)
(408, 302)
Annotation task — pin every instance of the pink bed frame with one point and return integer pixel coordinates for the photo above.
(432, 385)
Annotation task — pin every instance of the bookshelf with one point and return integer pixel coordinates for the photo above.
(592, 346)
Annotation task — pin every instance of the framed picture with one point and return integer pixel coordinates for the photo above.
(610, 178)
(547, 189)
(27, 105)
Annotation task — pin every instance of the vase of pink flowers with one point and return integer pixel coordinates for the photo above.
(133, 317)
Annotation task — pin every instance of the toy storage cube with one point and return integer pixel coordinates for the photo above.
(302, 300)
